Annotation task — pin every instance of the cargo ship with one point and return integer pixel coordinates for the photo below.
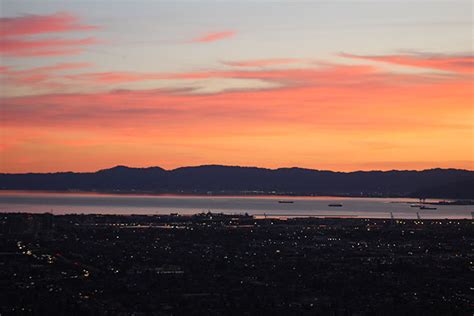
(427, 208)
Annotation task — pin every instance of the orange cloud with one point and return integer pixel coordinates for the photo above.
(329, 97)
(337, 116)
(38, 24)
(213, 37)
(306, 126)
(452, 63)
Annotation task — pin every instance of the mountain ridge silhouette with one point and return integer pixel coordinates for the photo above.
(221, 179)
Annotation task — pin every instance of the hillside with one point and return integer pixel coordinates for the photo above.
(216, 179)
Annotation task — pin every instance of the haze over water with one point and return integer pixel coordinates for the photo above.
(92, 203)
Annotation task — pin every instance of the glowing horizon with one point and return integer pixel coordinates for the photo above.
(82, 91)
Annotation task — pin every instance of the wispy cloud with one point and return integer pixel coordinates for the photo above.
(320, 76)
(336, 93)
(453, 63)
(45, 76)
(56, 67)
(264, 62)
(39, 24)
(305, 115)
(43, 47)
(18, 35)
(213, 37)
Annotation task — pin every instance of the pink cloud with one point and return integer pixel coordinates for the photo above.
(213, 37)
(452, 63)
(337, 104)
(312, 108)
(321, 76)
(39, 24)
(287, 76)
(38, 75)
(57, 67)
(328, 75)
(326, 96)
(14, 47)
(17, 35)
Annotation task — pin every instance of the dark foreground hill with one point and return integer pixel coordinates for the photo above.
(214, 179)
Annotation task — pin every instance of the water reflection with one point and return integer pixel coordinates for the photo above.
(61, 203)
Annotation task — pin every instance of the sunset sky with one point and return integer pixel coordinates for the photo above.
(339, 85)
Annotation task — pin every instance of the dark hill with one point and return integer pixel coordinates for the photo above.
(458, 190)
(215, 179)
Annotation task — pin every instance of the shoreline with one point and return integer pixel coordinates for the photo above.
(214, 194)
(255, 216)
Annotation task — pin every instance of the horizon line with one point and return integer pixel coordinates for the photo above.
(238, 166)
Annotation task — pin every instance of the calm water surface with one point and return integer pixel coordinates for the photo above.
(63, 203)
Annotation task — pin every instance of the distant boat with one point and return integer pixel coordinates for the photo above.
(427, 208)
(335, 205)
(287, 202)
(414, 205)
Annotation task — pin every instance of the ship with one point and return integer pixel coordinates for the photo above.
(335, 205)
(286, 202)
(427, 208)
